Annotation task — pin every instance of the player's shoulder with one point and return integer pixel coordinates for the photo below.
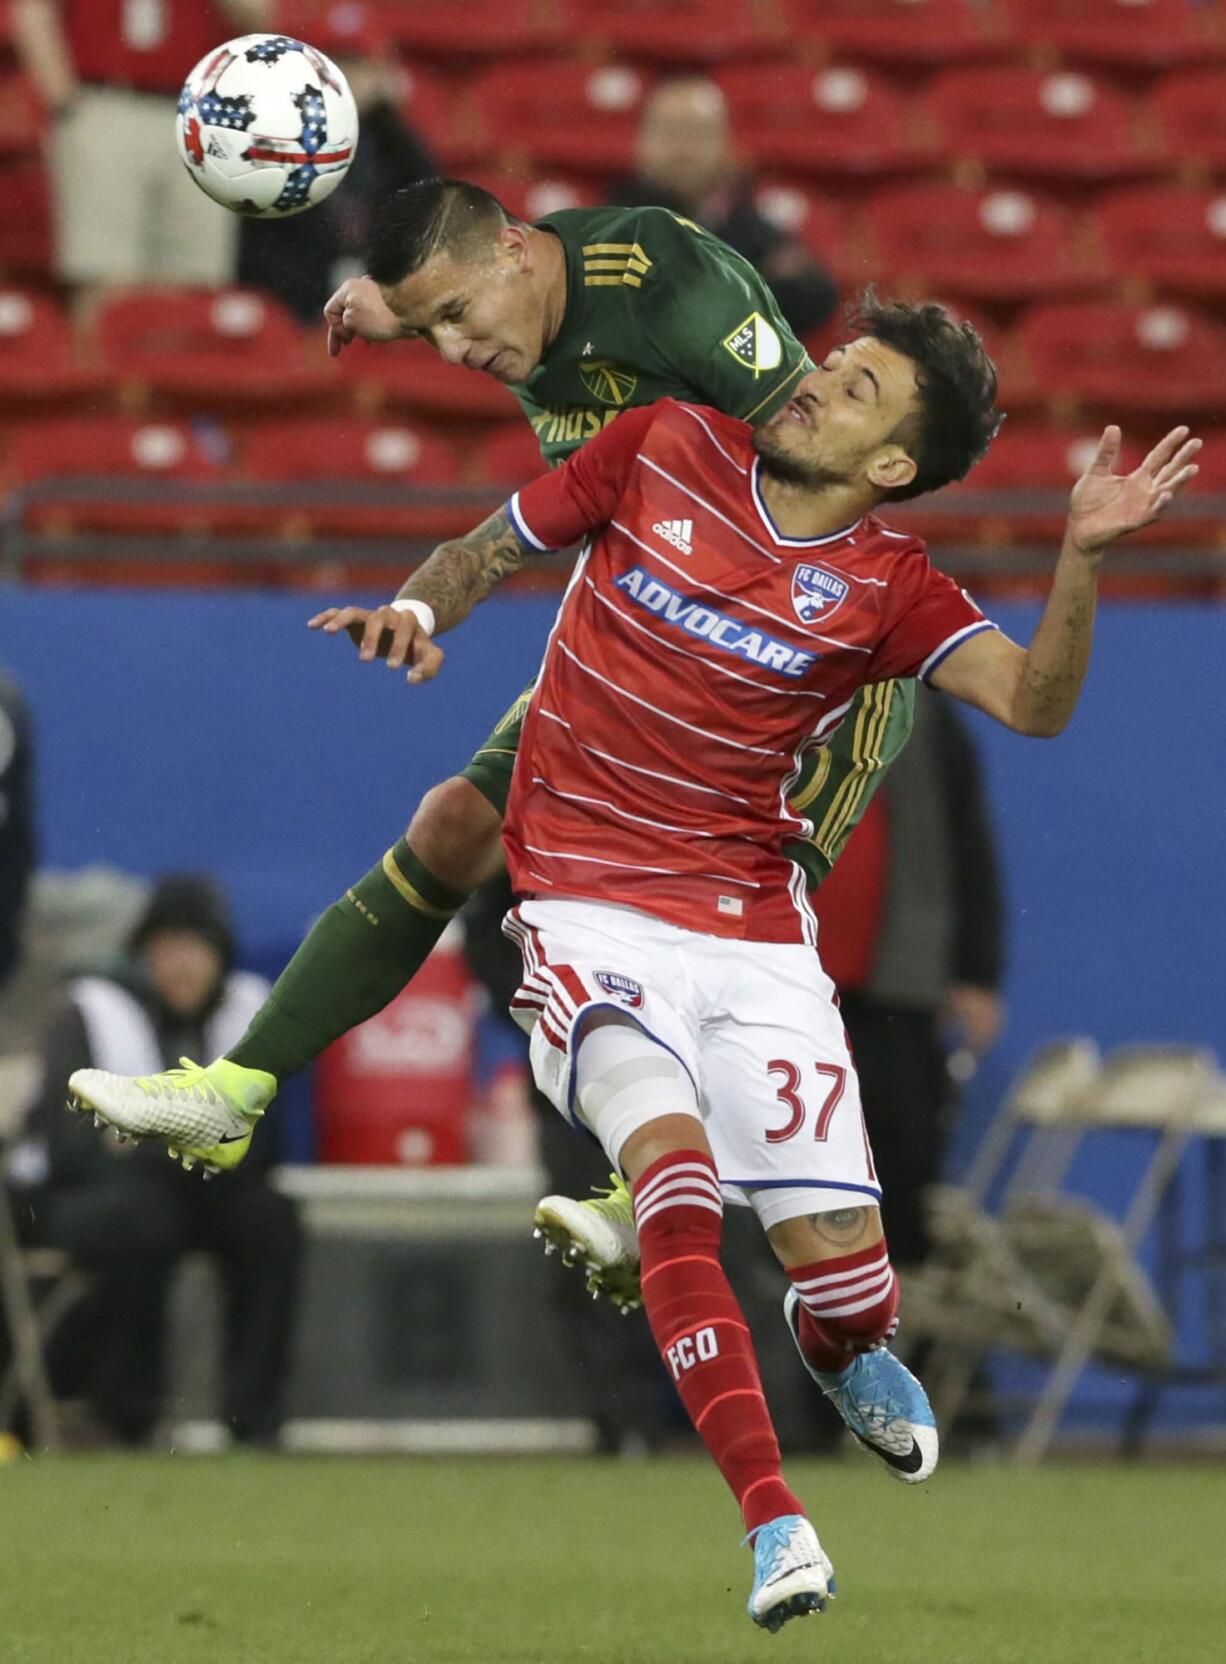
(649, 237)
(702, 424)
(879, 537)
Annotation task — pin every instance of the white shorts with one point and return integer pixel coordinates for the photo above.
(754, 1024)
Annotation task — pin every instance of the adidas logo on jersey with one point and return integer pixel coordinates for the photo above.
(676, 532)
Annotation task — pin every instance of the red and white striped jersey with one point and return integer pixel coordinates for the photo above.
(696, 655)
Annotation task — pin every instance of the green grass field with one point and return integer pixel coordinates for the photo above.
(252, 1560)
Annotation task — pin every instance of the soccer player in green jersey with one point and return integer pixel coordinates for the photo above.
(582, 315)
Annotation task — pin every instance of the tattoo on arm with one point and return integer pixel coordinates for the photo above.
(841, 1227)
(464, 570)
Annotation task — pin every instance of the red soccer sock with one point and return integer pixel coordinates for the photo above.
(846, 1305)
(701, 1332)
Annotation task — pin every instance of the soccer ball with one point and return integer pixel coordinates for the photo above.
(267, 126)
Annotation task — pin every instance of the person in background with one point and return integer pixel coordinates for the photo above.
(912, 929)
(108, 73)
(686, 162)
(303, 259)
(17, 845)
(125, 1213)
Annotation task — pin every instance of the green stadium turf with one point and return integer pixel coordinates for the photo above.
(256, 1560)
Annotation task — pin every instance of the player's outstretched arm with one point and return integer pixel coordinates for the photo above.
(444, 590)
(358, 312)
(1035, 690)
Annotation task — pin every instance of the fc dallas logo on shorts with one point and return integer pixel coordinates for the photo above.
(623, 988)
(816, 593)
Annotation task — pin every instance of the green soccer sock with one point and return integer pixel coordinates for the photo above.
(358, 957)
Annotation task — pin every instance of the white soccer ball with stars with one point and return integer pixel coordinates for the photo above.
(267, 125)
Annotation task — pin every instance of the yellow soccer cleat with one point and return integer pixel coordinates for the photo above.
(600, 1233)
(204, 1115)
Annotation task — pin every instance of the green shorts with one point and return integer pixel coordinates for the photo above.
(836, 782)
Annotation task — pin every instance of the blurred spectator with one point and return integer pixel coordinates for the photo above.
(109, 72)
(303, 259)
(16, 822)
(912, 932)
(686, 162)
(125, 1213)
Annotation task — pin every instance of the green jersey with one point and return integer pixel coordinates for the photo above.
(655, 308)
(658, 308)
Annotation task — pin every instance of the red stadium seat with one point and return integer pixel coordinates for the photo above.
(1128, 34)
(825, 121)
(554, 115)
(209, 349)
(999, 244)
(425, 104)
(819, 223)
(105, 453)
(1063, 125)
(410, 375)
(1189, 108)
(509, 457)
(205, 350)
(22, 119)
(531, 196)
(475, 29)
(681, 32)
(1174, 239)
(25, 219)
(39, 365)
(1127, 359)
(904, 32)
(1029, 472)
(348, 458)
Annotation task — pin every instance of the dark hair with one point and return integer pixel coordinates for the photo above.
(186, 901)
(957, 417)
(420, 219)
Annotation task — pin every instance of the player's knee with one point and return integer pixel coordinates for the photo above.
(456, 833)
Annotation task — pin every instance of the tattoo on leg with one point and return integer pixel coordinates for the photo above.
(839, 1228)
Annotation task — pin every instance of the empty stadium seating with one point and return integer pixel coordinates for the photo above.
(1055, 169)
(1173, 240)
(912, 33)
(342, 461)
(1134, 34)
(999, 244)
(1021, 122)
(234, 347)
(821, 121)
(1123, 358)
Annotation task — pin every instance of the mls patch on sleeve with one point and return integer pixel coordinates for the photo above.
(755, 344)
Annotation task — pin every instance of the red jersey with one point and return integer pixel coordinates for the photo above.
(146, 44)
(696, 656)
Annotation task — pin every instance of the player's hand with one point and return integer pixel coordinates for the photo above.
(384, 633)
(1105, 505)
(358, 312)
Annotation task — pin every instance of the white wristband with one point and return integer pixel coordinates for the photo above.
(421, 610)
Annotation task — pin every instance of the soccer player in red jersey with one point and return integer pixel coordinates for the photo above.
(737, 589)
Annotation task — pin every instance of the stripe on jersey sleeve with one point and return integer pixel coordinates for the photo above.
(941, 653)
(522, 530)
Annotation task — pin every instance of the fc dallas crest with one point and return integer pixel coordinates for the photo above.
(816, 593)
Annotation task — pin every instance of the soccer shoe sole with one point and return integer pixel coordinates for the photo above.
(617, 1283)
(211, 1159)
(792, 1606)
(911, 1465)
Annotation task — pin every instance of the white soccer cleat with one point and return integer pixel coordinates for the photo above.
(792, 1574)
(599, 1234)
(882, 1403)
(203, 1115)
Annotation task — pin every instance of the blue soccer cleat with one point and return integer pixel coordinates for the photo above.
(882, 1403)
(791, 1574)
